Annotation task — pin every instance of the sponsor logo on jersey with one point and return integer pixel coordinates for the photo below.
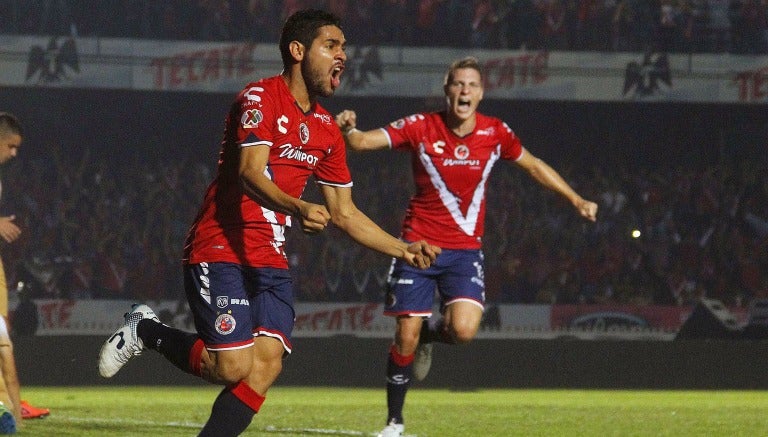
(325, 118)
(222, 301)
(461, 152)
(303, 133)
(225, 301)
(486, 132)
(251, 118)
(225, 324)
(470, 162)
(290, 152)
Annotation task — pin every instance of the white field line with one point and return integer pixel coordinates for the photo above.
(191, 425)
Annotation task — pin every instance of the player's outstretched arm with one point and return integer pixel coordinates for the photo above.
(253, 163)
(550, 178)
(362, 229)
(359, 140)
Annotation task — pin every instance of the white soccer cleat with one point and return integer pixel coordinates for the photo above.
(392, 430)
(124, 344)
(423, 361)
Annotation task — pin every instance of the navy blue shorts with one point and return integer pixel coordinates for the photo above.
(232, 303)
(457, 275)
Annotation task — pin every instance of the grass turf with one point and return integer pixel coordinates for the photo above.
(296, 411)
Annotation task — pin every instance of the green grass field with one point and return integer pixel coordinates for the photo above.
(294, 411)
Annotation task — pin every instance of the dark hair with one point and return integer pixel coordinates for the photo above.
(303, 27)
(468, 62)
(9, 124)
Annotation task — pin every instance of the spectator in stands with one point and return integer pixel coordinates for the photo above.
(484, 21)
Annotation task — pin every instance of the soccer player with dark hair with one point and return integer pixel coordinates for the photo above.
(236, 272)
(452, 152)
(11, 136)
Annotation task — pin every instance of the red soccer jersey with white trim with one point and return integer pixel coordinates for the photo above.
(232, 227)
(451, 176)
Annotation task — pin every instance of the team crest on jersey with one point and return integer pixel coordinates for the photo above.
(461, 152)
(222, 301)
(225, 324)
(251, 118)
(303, 133)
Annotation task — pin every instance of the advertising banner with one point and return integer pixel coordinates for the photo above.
(225, 67)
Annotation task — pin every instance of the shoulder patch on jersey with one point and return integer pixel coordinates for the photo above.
(251, 118)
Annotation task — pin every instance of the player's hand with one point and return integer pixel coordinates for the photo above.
(421, 254)
(314, 218)
(587, 209)
(346, 120)
(8, 229)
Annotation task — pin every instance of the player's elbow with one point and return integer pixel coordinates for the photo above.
(365, 141)
(357, 146)
(342, 219)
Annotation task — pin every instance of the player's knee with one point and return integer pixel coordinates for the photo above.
(463, 333)
(464, 336)
(232, 371)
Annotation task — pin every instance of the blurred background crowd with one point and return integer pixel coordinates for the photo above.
(688, 26)
(102, 228)
(105, 212)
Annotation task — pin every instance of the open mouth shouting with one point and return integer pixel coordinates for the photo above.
(463, 105)
(336, 75)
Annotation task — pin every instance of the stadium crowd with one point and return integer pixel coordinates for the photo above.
(104, 230)
(688, 26)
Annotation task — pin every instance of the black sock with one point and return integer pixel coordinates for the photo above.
(229, 416)
(434, 333)
(174, 344)
(399, 373)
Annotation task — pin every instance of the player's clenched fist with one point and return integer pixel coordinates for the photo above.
(346, 120)
(314, 218)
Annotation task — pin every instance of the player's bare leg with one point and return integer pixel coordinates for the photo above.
(459, 325)
(461, 321)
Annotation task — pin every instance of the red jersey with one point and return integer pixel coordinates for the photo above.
(451, 175)
(232, 227)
